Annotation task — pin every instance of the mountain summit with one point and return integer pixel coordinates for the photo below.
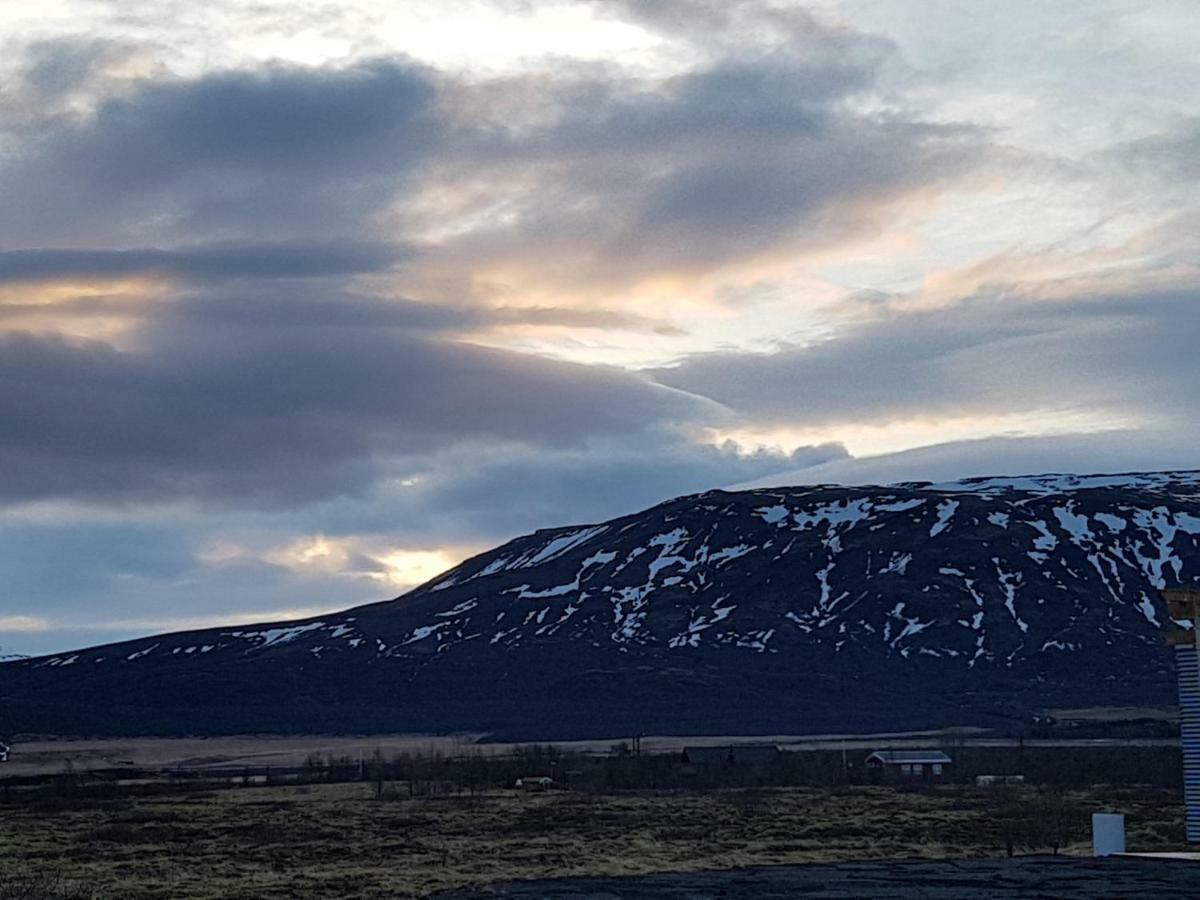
(813, 609)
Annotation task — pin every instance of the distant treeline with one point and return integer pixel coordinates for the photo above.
(432, 773)
(622, 769)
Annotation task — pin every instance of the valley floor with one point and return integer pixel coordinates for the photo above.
(356, 840)
(33, 756)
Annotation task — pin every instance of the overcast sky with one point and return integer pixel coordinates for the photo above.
(303, 302)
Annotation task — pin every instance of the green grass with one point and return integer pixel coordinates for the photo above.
(338, 840)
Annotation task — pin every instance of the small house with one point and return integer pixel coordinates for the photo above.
(910, 765)
(535, 783)
(4, 748)
(732, 755)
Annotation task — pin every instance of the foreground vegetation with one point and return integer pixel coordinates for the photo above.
(371, 840)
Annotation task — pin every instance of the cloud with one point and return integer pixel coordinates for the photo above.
(604, 181)
(369, 557)
(994, 353)
(507, 491)
(563, 182)
(259, 394)
(752, 27)
(88, 583)
(260, 406)
(299, 151)
(1171, 156)
(1152, 449)
(54, 80)
(23, 624)
(222, 261)
(577, 318)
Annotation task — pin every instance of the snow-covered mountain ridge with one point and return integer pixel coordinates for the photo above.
(820, 608)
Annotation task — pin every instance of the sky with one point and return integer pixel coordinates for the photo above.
(302, 303)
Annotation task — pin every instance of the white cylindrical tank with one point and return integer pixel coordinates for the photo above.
(1108, 833)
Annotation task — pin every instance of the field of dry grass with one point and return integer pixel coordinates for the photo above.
(37, 756)
(47, 755)
(339, 840)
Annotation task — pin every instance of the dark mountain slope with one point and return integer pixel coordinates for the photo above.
(791, 610)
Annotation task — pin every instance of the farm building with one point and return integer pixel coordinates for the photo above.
(732, 755)
(909, 765)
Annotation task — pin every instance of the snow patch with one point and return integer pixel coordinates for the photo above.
(558, 546)
(140, 653)
(725, 555)
(898, 564)
(458, 608)
(772, 515)
(1046, 541)
(945, 513)
(271, 636)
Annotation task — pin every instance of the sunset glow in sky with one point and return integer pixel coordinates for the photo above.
(302, 303)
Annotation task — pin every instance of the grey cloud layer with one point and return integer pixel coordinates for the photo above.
(205, 262)
(621, 179)
(281, 393)
(991, 354)
(483, 493)
(279, 411)
(735, 159)
(1131, 450)
(300, 151)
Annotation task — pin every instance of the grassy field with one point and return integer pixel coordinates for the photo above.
(339, 840)
(33, 755)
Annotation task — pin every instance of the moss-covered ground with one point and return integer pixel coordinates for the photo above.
(341, 840)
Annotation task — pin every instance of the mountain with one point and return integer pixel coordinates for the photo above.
(814, 609)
